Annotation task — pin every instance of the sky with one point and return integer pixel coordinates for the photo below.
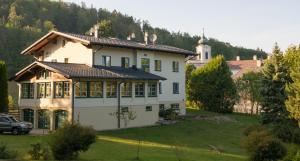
(246, 23)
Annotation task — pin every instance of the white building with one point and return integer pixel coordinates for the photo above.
(89, 79)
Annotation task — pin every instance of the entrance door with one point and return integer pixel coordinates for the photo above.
(60, 117)
(43, 119)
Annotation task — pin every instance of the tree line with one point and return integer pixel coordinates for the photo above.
(23, 22)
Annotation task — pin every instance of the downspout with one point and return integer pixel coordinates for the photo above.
(72, 104)
(119, 105)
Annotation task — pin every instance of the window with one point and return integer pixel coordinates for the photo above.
(41, 90)
(96, 89)
(124, 109)
(66, 89)
(111, 89)
(125, 62)
(206, 55)
(58, 89)
(81, 89)
(61, 89)
(175, 88)
(27, 90)
(157, 64)
(161, 106)
(44, 90)
(139, 89)
(44, 74)
(145, 64)
(106, 61)
(160, 88)
(28, 115)
(63, 43)
(48, 90)
(175, 66)
(148, 108)
(66, 60)
(175, 107)
(126, 90)
(152, 89)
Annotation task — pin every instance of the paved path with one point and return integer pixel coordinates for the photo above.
(39, 132)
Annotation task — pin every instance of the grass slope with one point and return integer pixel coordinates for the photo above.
(190, 140)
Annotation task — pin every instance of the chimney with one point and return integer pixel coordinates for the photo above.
(96, 28)
(146, 37)
(259, 63)
(269, 57)
(254, 57)
(238, 58)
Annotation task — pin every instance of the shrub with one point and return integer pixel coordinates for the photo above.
(251, 142)
(5, 153)
(293, 153)
(39, 152)
(261, 145)
(268, 150)
(71, 139)
(287, 132)
(253, 128)
(169, 114)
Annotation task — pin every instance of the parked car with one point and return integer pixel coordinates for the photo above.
(9, 123)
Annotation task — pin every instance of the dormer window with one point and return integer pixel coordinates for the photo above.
(106, 61)
(44, 74)
(125, 62)
(63, 43)
(145, 63)
(66, 60)
(54, 41)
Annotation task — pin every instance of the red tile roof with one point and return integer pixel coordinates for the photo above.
(243, 66)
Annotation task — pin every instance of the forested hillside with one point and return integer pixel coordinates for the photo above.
(22, 22)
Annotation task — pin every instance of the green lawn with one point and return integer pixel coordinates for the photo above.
(190, 139)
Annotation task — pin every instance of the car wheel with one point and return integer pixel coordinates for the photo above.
(15, 131)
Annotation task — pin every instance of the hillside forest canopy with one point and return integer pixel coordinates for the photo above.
(23, 22)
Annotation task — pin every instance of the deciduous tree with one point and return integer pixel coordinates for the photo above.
(213, 86)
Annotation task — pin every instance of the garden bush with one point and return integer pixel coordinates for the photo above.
(169, 114)
(287, 132)
(253, 128)
(68, 141)
(293, 153)
(270, 149)
(39, 152)
(261, 145)
(5, 153)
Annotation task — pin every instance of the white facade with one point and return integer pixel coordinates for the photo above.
(97, 112)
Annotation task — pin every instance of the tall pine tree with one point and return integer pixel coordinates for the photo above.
(3, 88)
(293, 89)
(275, 77)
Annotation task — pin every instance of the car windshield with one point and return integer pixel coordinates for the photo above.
(13, 119)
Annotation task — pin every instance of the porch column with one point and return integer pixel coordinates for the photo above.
(52, 121)
(35, 119)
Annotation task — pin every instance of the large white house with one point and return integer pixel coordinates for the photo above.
(91, 79)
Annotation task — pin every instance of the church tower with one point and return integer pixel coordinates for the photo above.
(203, 50)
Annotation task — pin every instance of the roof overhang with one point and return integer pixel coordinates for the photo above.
(48, 37)
(33, 65)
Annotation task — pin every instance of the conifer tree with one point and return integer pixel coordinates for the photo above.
(293, 89)
(3, 88)
(275, 77)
